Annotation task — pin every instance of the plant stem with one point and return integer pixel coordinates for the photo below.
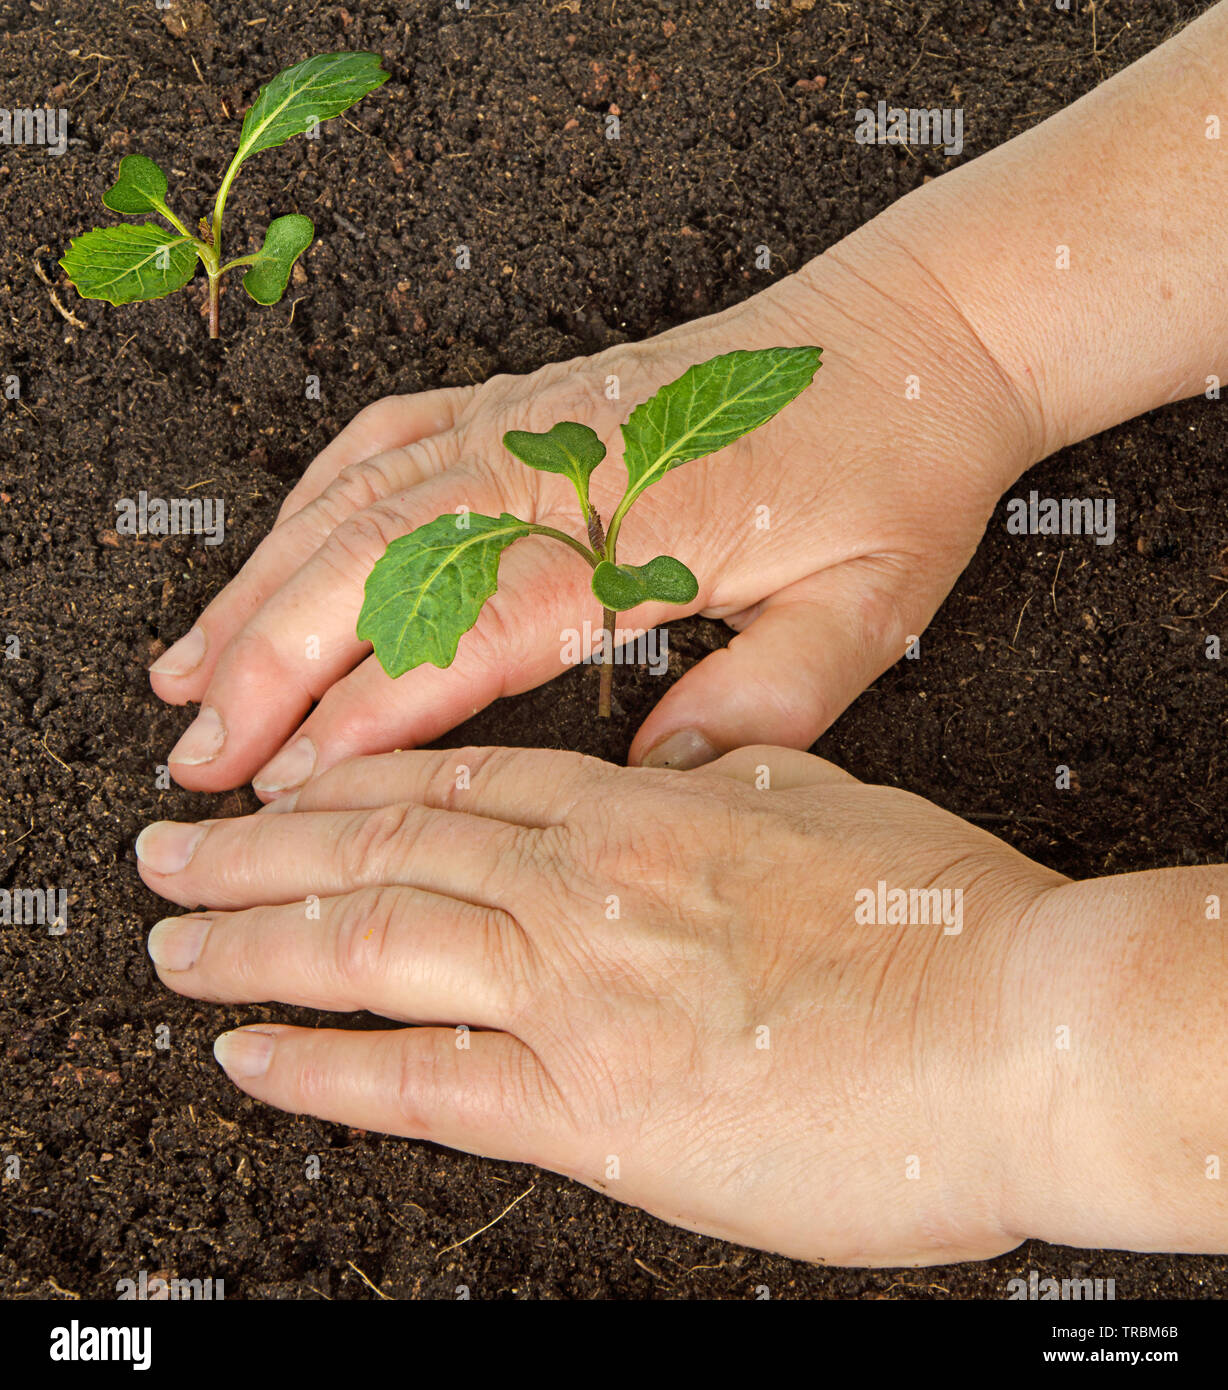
(596, 536)
(576, 545)
(606, 686)
(616, 522)
(219, 206)
(215, 226)
(604, 690)
(173, 220)
(239, 260)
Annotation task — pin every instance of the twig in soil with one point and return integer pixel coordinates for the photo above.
(120, 102)
(42, 275)
(396, 1220)
(457, 1244)
(1019, 624)
(50, 754)
(758, 72)
(1056, 572)
(346, 225)
(68, 1293)
(1007, 816)
(903, 1284)
(65, 313)
(386, 1297)
(97, 77)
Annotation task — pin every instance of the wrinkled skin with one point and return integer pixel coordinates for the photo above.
(624, 937)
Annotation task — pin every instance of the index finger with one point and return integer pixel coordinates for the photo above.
(525, 786)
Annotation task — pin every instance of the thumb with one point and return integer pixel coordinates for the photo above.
(811, 650)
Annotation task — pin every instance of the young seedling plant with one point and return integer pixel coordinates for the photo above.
(133, 261)
(428, 588)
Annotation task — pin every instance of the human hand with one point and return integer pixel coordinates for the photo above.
(676, 1000)
(875, 502)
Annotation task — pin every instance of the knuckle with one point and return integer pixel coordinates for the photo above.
(880, 605)
(359, 485)
(252, 648)
(358, 541)
(518, 1091)
(555, 853)
(425, 1081)
(578, 394)
(444, 789)
(375, 839)
(496, 476)
(492, 646)
(523, 856)
(507, 955)
(430, 1082)
(376, 415)
(492, 393)
(364, 932)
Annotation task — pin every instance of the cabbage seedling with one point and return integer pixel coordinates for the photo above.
(133, 261)
(427, 589)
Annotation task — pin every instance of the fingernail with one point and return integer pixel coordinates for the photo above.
(184, 656)
(202, 740)
(167, 845)
(175, 943)
(283, 803)
(685, 749)
(244, 1052)
(290, 768)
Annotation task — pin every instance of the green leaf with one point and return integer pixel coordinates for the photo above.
(129, 262)
(664, 579)
(284, 242)
(427, 589)
(567, 448)
(314, 90)
(709, 406)
(141, 186)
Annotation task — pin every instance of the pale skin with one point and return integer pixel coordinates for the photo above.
(634, 1037)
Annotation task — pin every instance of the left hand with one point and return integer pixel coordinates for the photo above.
(671, 996)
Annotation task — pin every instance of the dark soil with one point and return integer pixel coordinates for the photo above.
(492, 134)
